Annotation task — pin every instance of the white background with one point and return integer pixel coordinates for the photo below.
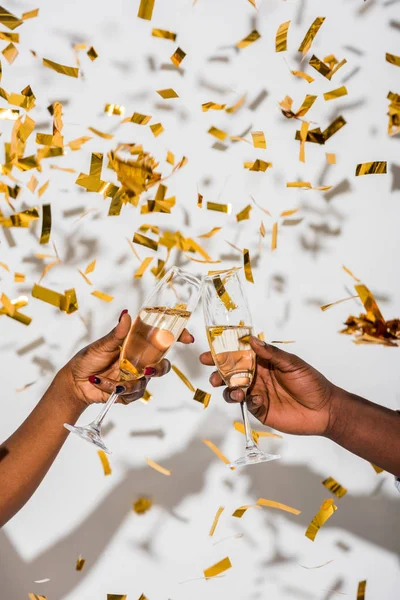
(77, 510)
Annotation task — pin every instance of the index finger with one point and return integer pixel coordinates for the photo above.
(207, 359)
(186, 337)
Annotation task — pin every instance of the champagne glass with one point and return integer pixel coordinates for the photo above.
(158, 324)
(228, 326)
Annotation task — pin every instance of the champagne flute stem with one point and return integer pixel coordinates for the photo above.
(247, 428)
(100, 417)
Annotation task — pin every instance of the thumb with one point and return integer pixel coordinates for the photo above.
(279, 358)
(113, 340)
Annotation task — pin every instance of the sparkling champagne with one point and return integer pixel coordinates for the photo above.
(232, 353)
(152, 333)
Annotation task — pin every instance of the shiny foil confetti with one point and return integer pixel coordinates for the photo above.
(62, 69)
(327, 306)
(36, 597)
(281, 37)
(218, 452)
(303, 75)
(338, 93)
(310, 35)
(247, 266)
(145, 241)
(163, 33)
(239, 426)
(278, 505)
(146, 9)
(104, 462)
(244, 214)
(46, 224)
(210, 233)
(117, 597)
(219, 567)
(361, 590)
(142, 268)
(224, 208)
(215, 521)
(142, 505)
(333, 486)
(258, 139)
(371, 168)
(377, 469)
(250, 39)
(393, 59)
(31, 14)
(325, 512)
(218, 133)
(114, 109)
(156, 129)
(183, 378)
(223, 294)
(66, 302)
(202, 397)
(102, 296)
(8, 19)
(330, 158)
(92, 54)
(157, 467)
(80, 563)
(167, 94)
(177, 57)
(274, 238)
(212, 106)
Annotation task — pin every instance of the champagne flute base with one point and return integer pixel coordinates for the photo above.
(89, 433)
(253, 456)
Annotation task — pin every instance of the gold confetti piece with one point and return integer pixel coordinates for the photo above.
(223, 294)
(143, 240)
(325, 512)
(62, 69)
(102, 296)
(330, 158)
(156, 129)
(258, 165)
(212, 106)
(105, 462)
(278, 505)
(9, 37)
(22, 219)
(46, 224)
(138, 118)
(80, 563)
(8, 19)
(8, 114)
(371, 168)
(319, 66)
(146, 9)
(142, 505)
(341, 91)
(236, 106)
(218, 452)
(36, 596)
(333, 486)
(370, 304)
(2, 264)
(393, 59)
(310, 35)
(114, 109)
(377, 470)
(303, 76)
(239, 512)
(253, 3)
(105, 136)
(141, 270)
(250, 39)
(92, 54)
(327, 306)
(258, 139)
(281, 37)
(239, 426)
(244, 213)
(118, 596)
(211, 233)
(317, 566)
(183, 378)
(66, 302)
(350, 273)
(157, 467)
(84, 277)
(225, 208)
(167, 94)
(31, 14)
(303, 138)
(91, 267)
(361, 590)
(215, 521)
(274, 239)
(306, 105)
(178, 57)
(143, 597)
(219, 567)
(10, 53)
(218, 133)
(289, 213)
(162, 33)
(247, 266)
(170, 158)
(202, 397)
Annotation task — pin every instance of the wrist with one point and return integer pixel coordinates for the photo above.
(339, 414)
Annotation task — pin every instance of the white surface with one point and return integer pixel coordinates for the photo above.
(78, 511)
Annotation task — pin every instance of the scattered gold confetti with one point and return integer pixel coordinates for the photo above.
(371, 168)
(142, 505)
(225, 208)
(69, 71)
(244, 214)
(212, 106)
(330, 158)
(239, 512)
(310, 35)
(215, 521)
(218, 452)
(141, 270)
(218, 133)
(105, 136)
(183, 378)
(36, 596)
(247, 266)
(256, 434)
(157, 467)
(250, 39)
(327, 306)
(92, 54)
(361, 590)
(303, 76)
(325, 512)
(114, 109)
(281, 37)
(258, 139)
(211, 233)
(278, 505)
(394, 113)
(167, 94)
(105, 462)
(118, 596)
(143, 240)
(102, 296)
(219, 567)
(66, 302)
(156, 129)
(341, 91)
(393, 59)
(8, 19)
(274, 239)
(46, 224)
(31, 14)
(202, 397)
(333, 486)
(236, 106)
(146, 9)
(377, 469)
(178, 57)
(163, 33)
(10, 53)
(80, 563)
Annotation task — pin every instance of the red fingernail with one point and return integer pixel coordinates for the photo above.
(192, 342)
(122, 314)
(149, 371)
(94, 379)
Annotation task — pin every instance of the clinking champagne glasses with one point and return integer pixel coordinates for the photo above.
(228, 325)
(156, 327)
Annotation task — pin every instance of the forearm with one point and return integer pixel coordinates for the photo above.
(28, 454)
(367, 429)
